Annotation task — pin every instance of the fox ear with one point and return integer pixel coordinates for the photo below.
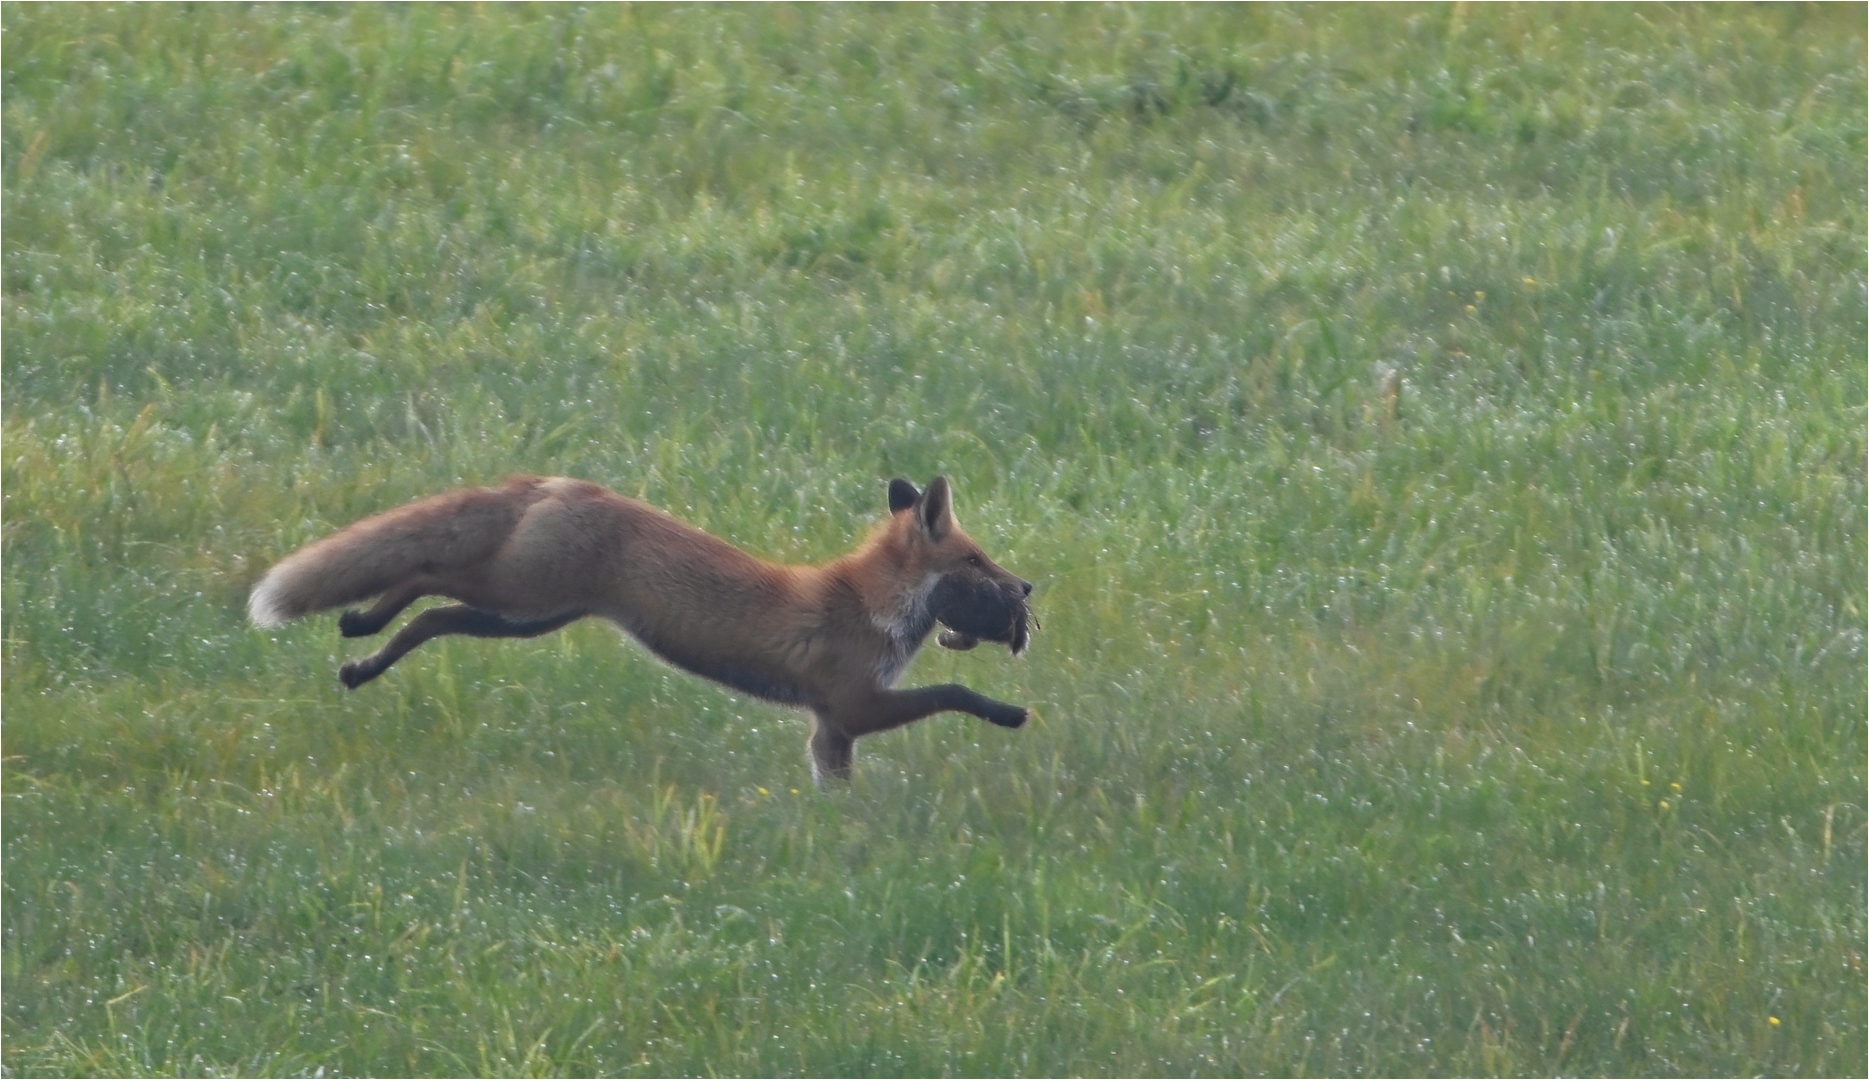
(936, 510)
(902, 495)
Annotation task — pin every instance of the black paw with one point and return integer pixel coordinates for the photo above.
(355, 624)
(1009, 716)
(355, 674)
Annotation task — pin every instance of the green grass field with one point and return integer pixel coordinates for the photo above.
(1437, 434)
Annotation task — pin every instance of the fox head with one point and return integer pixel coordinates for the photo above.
(974, 597)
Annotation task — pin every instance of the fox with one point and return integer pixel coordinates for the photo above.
(538, 553)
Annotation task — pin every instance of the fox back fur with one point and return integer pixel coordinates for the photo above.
(536, 553)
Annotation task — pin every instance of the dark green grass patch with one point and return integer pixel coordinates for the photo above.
(1436, 433)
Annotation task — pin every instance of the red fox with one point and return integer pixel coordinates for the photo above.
(536, 553)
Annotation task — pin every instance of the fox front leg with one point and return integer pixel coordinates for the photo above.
(831, 751)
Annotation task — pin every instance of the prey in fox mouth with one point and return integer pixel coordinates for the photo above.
(972, 611)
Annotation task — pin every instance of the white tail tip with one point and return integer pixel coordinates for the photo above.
(263, 606)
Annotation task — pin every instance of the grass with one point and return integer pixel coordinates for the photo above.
(1437, 435)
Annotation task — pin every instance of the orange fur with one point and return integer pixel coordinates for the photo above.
(536, 553)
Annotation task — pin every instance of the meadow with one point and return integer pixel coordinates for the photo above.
(1437, 435)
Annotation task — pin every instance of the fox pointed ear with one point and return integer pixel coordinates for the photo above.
(902, 495)
(935, 513)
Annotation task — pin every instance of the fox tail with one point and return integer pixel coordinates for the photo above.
(374, 555)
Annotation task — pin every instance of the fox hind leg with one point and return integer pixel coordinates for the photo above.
(435, 622)
(355, 623)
